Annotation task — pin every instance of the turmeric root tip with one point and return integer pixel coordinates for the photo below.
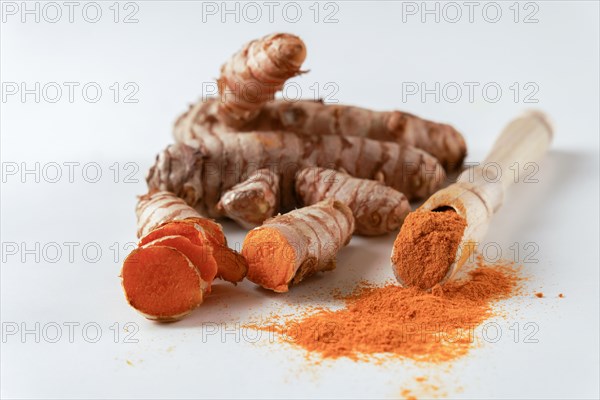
(251, 202)
(161, 283)
(251, 77)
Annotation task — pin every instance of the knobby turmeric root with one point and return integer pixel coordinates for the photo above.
(377, 209)
(152, 278)
(201, 173)
(290, 247)
(315, 118)
(252, 201)
(252, 76)
(242, 131)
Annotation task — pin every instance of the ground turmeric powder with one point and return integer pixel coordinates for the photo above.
(404, 322)
(426, 247)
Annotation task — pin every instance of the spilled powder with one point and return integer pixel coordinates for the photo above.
(427, 387)
(407, 394)
(405, 322)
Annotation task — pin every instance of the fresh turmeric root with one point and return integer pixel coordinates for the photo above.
(203, 173)
(252, 76)
(152, 278)
(378, 209)
(233, 136)
(290, 247)
(307, 117)
(156, 209)
(315, 118)
(252, 201)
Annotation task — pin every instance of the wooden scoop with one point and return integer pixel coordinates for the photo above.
(479, 191)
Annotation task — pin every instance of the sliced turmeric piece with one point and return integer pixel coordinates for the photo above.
(231, 266)
(290, 247)
(200, 255)
(194, 234)
(161, 283)
(213, 230)
(164, 214)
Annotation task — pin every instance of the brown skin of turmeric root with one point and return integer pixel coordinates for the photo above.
(290, 247)
(161, 283)
(314, 118)
(232, 137)
(377, 209)
(252, 76)
(252, 201)
(213, 164)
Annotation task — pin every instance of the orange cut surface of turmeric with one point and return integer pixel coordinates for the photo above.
(273, 259)
(161, 283)
(230, 265)
(200, 255)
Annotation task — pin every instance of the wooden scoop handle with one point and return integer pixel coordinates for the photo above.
(524, 140)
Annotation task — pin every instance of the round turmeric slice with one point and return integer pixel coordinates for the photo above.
(161, 283)
(212, 229)
(231, 266)
(200, 255)
(194, 233)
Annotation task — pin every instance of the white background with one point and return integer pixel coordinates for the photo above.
(372, 53)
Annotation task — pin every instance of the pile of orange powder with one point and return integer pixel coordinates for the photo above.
(431, 326)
